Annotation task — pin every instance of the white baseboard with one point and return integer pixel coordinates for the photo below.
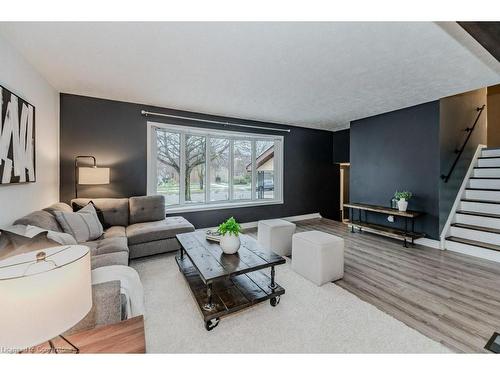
(435, 244)
(253, 224)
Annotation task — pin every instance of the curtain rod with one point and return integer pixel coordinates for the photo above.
(225, 123)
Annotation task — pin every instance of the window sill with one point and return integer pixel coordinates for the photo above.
(219, 206)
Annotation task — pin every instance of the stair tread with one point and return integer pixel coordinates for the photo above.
(476, 227)
(473, 243)
(489, 157)
(480, 201)
(484, 178)
(486, 167)
(485, 189)
(474, 213)
(490, 148)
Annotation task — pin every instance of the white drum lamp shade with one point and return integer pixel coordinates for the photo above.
(43, 294)
(93, 176)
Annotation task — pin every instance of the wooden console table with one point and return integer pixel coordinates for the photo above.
(404, 234)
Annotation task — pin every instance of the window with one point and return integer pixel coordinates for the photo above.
(199, 169)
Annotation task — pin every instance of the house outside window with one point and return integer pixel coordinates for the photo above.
(201, 169)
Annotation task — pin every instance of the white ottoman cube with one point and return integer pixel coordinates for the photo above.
(276, 235)
(318, 256)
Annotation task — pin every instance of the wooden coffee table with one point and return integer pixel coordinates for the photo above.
(223, 284)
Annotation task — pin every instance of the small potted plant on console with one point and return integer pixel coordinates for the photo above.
(403, 197)
(230, 239)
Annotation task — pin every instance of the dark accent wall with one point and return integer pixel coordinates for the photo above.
(115, 133)
(457, 113)
(341, 143)
(398, 150)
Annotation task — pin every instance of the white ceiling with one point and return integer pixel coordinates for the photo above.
(319, 75)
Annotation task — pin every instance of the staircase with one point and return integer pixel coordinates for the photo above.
(475, 227)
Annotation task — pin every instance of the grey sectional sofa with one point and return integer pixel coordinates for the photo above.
(136, 227)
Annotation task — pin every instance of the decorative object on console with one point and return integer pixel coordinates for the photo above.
(44, 293)
(403, 197)
(230, 239)
(90, 175)
(17, 139)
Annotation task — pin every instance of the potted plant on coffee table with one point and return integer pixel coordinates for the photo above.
(403, 197)
(230, 236)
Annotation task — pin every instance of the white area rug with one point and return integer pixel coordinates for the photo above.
(309, 319)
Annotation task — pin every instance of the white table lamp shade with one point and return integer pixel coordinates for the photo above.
(93, 176)
(40, 300)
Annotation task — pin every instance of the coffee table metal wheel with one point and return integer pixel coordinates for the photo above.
(274, 301)
(211, 324)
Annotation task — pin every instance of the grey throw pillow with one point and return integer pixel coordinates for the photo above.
(83, 225)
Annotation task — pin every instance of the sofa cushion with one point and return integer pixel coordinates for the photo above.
(83, 225)
(76, 207)
(42, 219)
(114, 210)
(116, 231)
(158, 230)
(107, 245)
(146, 208)
(154, 247)
(110, 259)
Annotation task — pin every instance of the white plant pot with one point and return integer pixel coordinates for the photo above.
(402, 205)
(229, 243)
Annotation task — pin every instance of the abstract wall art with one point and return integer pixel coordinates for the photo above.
(17, 139)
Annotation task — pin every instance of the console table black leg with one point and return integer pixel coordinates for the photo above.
(360, 220)
(406, 232)
(351, 214)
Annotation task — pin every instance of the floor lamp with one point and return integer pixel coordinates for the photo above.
(89, 175)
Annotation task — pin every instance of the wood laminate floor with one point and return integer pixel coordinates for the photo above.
(451, 298)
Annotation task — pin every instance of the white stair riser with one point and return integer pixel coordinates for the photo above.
(488, 162)
(473, 251)
(484, 184)
(481, 221)
(490, 153)
(490, 172)
(484, 195)
(487, 208)
(476, 235)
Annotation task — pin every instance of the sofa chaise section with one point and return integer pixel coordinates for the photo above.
(142, 220)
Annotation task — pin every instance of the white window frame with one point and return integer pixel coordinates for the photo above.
(232, 136)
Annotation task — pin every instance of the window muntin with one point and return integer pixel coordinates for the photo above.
(168, 166)
(219, 169)
(199, 168)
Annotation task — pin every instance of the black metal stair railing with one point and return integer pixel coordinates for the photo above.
(459, 152)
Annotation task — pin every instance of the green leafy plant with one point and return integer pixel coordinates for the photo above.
(406, 195)
(230, 226)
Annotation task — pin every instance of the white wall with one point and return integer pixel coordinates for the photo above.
(22, 79)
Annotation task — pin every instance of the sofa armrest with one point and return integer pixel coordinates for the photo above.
(106, 307)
